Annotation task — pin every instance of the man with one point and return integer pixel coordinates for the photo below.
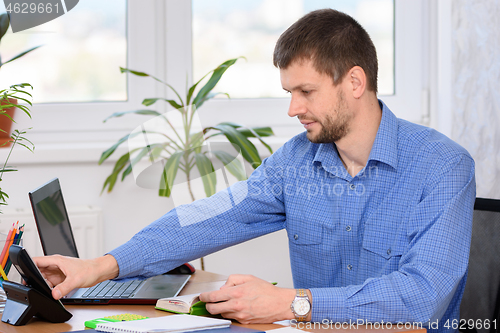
(378, 210)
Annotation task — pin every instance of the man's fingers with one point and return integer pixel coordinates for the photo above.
(44, 262)
(237, 279)
(225, 308)
(64, 288)
(215, 296)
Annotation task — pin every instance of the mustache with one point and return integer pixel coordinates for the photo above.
(308, 119)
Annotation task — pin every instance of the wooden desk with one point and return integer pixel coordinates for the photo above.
(199, 282)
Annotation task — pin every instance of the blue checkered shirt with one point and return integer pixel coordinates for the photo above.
(388, 245)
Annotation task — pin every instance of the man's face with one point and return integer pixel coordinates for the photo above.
(318, 104)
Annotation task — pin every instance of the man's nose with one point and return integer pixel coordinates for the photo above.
(297, 106)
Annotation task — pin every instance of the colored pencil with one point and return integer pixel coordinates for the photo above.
(6, 246)
(16, 241)
(4, 276)
(10, 241)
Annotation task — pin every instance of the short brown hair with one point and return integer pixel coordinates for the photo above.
(334, 41)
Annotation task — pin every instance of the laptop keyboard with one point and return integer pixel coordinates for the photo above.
(112, 289)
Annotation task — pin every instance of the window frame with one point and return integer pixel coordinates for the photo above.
(161, 45)
(410, 99)
(82, 122)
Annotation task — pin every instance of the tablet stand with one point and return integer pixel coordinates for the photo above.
(24, 302)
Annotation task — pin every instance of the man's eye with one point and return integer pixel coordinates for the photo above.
(305, 92)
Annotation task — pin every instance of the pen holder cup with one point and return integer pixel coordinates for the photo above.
(10, 271)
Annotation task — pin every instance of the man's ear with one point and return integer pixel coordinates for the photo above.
(357, 79)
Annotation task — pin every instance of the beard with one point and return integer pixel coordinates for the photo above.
(333, 130)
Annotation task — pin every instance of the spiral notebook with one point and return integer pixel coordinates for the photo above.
(170, 324)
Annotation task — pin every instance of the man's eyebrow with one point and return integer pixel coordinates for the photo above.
(305, 86)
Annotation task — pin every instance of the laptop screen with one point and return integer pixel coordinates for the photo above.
(52, 220)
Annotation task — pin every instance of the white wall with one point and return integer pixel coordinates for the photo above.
(129, 208)
(476, 88)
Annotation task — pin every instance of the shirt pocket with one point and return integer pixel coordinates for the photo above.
(382, 250)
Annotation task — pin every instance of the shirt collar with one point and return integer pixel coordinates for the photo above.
(384, 147)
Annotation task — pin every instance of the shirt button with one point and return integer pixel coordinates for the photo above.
(295, 236)
(352, 186)
(349, 267)
(389, 252)
(348, 228)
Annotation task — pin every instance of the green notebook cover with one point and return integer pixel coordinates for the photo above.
(197, 309)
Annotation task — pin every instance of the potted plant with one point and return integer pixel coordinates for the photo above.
(183, 150)
(18, 92)
(8, 103)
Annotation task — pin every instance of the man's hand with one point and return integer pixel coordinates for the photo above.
(66, 273)
(250, 300)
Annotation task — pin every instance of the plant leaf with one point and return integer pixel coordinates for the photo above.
(141, 112)
(133, 162)
(126, 70)
(151, 101)
(207, 173)
(21, 54)
(4, 24)
(196, 141)
(214, 79)
(254, 132)
(231, 163)
(248, 150)
(212, 95)
(107, 153)
(169, 173)
(119, 165)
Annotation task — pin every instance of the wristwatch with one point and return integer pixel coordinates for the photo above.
(301, 305)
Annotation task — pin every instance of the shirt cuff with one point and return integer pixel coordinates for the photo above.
(129, 258)
(328, 303)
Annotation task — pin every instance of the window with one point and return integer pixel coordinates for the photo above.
(67, 115)
(159, 41)
(225, 29)
(79, 58)
(408, 98)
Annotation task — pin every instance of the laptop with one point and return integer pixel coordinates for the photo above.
(56, 236)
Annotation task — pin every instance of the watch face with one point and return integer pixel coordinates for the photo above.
(301, 307)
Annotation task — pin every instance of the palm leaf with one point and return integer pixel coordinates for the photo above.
(169, 173)
(248, 149)
(126, 70)
(107, 153)
(141, 112)
(4, 24)
(21, 54)
(151, 101)
(231, 163)
(133, 162)
(254, 132)
(119, 165)
(207, 173)
(214, 79)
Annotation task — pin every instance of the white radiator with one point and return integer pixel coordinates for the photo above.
(86, 222)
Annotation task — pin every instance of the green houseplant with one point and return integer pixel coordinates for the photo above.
(8, 103)
(17, 92)
(183, 151)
